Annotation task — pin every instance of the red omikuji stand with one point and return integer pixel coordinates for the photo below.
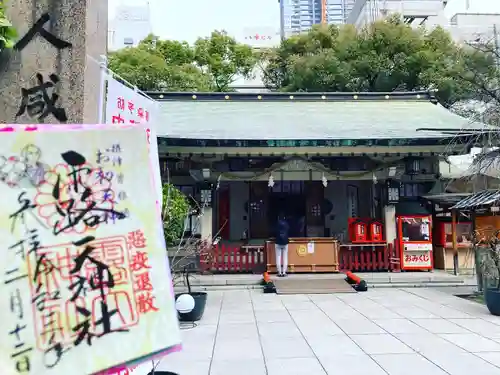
(415, 242)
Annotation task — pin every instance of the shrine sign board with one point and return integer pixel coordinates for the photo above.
(85, 282)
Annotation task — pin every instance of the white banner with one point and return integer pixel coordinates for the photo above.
(127, 106)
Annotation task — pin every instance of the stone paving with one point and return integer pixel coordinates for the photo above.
(401, 279)
(380, 332)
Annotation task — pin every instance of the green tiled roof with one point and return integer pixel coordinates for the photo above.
(305, 116)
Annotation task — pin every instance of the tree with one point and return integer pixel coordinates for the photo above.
(148, 70)
(224, 59)
(387, 55)
(8, 33)
(139, 67)
(481, 70)
(170, 65)
(176, 209)
(173, 52)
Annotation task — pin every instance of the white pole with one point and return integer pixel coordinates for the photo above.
(102, 88)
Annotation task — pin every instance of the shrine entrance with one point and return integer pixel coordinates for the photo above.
(288, 198)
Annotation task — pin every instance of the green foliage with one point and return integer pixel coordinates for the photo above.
(176, 208)
(387, 55)
(223, 59)
(8, 33)
(140, 67)
(147, 70)
(212, 64)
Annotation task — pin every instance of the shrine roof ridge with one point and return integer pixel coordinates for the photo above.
(293, 96)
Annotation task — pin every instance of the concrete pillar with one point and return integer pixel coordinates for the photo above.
(206, 224)
(83, 26)
(390, 223)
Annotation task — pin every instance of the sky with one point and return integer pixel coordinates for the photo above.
(189, 19)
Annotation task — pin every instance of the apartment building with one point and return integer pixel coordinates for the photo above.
(413, 11)
(300, 15)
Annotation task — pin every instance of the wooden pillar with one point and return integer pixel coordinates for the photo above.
(477, 255)
(454, 241)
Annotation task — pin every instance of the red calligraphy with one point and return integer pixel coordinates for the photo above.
(143, 285)
(140, 112)
(130, 106)
(111, 252)
(414, 258)
(133, 122)
(55, 317)
(146, 114)
(139, 261)
(143, 282)
(136, 239)
(120, 103)
(117, 119)
(123, 302)
(145, 303)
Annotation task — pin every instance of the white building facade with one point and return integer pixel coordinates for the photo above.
(475, 27)
(130, 25)
(416, 12)
(465, 27)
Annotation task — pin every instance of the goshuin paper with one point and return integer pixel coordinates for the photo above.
(84, 284)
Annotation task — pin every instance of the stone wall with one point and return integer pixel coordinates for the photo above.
(65, 69)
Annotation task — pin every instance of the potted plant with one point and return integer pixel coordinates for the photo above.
(490, 267)
(200, 301)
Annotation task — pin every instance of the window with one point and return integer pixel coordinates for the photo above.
(464, 234)
(415, 229)
(411, 190)
(128, 41)
(292, 187)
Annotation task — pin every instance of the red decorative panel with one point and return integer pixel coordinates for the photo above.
(223, 214)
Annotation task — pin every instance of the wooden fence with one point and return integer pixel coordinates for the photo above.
(226, 258)
(365, 258)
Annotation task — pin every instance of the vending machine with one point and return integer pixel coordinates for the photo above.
(415, 242)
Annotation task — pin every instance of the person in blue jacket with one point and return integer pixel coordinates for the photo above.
(281, 245)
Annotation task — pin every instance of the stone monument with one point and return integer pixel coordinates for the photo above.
(52, 74)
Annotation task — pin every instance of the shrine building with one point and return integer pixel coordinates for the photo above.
(348, 170)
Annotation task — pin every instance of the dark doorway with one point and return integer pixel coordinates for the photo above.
(293, 207)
